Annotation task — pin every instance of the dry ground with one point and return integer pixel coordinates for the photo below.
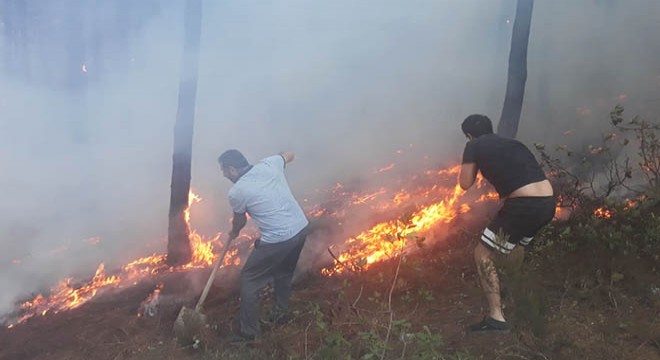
(561, 307)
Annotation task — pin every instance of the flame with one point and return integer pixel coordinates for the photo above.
(361, 199)
(428, 203)
(634, 202)
(563, 209)
(67, 295)
(603, 213)
(150, 304)
(383, 239)
(561, 213)
(488, 196)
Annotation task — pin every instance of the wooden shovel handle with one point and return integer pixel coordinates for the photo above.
(212, 277)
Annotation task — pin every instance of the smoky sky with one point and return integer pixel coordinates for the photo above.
(349, 86)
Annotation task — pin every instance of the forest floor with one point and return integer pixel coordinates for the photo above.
(563, 302)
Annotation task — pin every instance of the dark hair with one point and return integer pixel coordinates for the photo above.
(233, 158)
(477, 125)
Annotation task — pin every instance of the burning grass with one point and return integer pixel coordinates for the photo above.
(432, 197)
(69, 294)
(598, 304)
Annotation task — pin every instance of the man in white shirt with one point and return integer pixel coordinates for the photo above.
(262, 191)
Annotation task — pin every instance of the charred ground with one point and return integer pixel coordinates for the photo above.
(587, 289)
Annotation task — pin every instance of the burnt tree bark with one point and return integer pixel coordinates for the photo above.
(179, 250)
(515, 87)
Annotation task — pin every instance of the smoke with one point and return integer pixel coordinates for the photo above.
(349, 86)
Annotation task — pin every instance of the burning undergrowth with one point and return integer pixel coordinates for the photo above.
(598, 264)
(355, 226)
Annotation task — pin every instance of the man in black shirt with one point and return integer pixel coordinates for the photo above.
(529, 204)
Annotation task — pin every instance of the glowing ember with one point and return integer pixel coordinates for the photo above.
(603, 213)
(634, 202)
(561, 213)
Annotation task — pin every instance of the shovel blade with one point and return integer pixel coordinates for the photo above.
(188, 325)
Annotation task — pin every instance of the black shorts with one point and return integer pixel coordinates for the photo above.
(517, 222)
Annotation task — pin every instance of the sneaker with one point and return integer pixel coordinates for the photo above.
(490, 325)
(239, 337)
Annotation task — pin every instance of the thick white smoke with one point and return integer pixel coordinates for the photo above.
(344, 84)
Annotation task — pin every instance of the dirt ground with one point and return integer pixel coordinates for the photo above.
(558, 307)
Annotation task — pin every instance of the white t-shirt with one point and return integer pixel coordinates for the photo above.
(264, 193)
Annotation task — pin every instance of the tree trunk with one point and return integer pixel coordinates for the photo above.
(515, 87)
(178, 244)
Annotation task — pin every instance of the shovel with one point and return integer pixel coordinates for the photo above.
(190, 321)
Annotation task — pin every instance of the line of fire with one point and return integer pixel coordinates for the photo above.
(407, 211)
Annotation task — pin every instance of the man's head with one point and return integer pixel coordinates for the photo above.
(233, 164)
(476, 125)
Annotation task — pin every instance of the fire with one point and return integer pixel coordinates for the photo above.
(150, 304)
(488, 197)
(603, 213)
(383, 239)
(561, 213)
(361, 199)
(427, 203)
(67, 295)
(634, 202)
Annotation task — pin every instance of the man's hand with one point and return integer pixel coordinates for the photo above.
(233, 235)
(287, 156)
(468, 175)
(237, 223)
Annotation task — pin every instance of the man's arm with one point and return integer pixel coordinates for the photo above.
(287, 156)
(237, 223)
(468, 175)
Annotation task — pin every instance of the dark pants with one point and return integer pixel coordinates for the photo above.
(266, 262)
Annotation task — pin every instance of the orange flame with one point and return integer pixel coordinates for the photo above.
(149, 305)
(603, 213)
(66, 295)
(433, 204)
(383, 239)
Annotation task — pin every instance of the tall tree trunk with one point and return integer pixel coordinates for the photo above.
(178, 245)
(515, 87)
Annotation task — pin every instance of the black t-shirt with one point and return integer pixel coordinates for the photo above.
(505, 163)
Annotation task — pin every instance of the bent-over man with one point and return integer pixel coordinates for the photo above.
(529, 204)
(262, 191)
